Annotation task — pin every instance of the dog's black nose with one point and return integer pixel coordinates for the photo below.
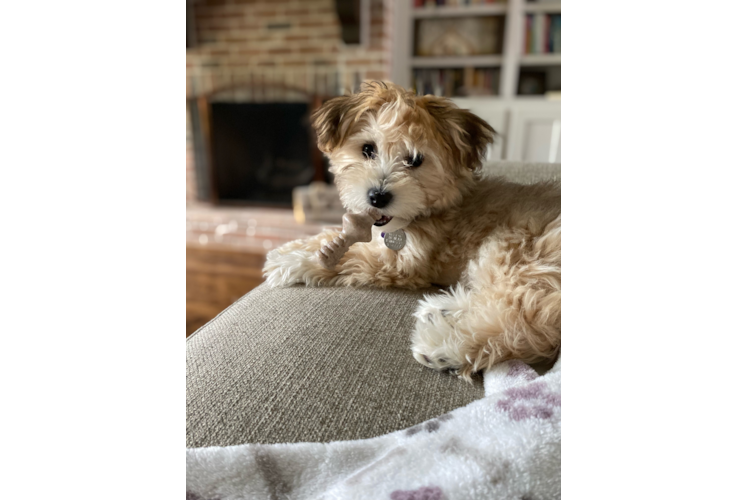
(379, 199)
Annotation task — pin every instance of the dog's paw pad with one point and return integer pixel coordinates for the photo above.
(438, 362)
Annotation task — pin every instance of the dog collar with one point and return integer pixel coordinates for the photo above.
(394, 240)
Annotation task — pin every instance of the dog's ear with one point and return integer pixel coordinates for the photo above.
(334, 120)
(330, 123)
(467, 135)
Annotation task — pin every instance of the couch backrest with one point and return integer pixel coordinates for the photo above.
(523, 173)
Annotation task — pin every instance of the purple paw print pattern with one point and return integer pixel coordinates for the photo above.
(423, 493)
(430, 426)
(531, 401)
(518, 369)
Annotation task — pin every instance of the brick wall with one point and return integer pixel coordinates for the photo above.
(296, 42)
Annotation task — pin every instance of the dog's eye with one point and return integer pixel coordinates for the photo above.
(414, 161)
(369, 151)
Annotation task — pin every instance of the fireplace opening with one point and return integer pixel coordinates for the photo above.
(257, 153)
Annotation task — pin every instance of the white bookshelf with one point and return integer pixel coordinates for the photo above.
(509, 61)
(459, 11)
(540, 59)
(638, 7)
(529, 125)
(455, 62)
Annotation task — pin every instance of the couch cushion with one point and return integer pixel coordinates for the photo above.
(312, 364)
(523, 173)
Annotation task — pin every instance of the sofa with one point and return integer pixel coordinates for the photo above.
(298, 364)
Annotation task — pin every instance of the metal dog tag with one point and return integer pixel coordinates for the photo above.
(395, 240)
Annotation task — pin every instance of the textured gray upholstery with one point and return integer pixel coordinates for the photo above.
(524, 173)
(312, 364)
(319, 364)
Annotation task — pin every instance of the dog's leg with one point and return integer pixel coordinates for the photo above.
(363, 264)
(297, 262)
(510, 308)
(465, 331)
(371, 264)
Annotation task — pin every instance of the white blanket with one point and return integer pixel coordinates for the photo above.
(504, 446)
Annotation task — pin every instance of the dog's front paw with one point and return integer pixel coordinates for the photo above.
(285, 268)
(438, 340)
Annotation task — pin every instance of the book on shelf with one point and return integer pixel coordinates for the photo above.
(543, 34)
(460, 82)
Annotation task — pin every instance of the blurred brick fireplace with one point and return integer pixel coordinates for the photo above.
(259, 51)
(251, 51)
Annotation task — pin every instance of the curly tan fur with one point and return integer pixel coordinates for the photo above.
(495, 243)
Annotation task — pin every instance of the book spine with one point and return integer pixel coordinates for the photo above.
(557, 34)
(537, 31)
(528, 34)
(469, 77)
(532, 34)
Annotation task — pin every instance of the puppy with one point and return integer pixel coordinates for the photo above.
(415, 161)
